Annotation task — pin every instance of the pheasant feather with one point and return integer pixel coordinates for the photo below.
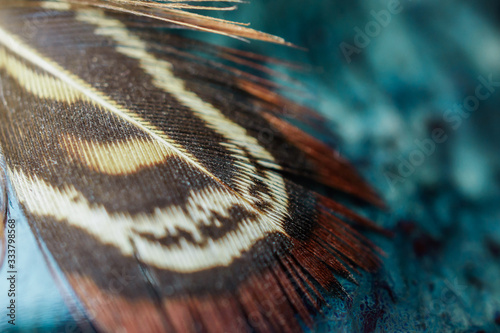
(132, 154)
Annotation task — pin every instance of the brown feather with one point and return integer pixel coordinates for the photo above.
(112, 161)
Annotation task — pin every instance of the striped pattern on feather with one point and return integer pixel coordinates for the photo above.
(129, 156)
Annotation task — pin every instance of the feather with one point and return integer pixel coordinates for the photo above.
(159, 182)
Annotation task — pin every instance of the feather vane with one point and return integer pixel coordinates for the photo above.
(133, 156)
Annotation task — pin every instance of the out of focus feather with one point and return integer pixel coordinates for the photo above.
(175, 12)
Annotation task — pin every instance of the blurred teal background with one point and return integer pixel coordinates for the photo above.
(414, 77)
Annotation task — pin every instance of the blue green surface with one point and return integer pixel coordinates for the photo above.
(442, 269)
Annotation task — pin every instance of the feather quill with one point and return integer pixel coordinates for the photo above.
(159, 181)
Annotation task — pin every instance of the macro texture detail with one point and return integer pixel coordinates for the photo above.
(131, 154)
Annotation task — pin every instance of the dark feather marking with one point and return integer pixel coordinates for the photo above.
(236, 214)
